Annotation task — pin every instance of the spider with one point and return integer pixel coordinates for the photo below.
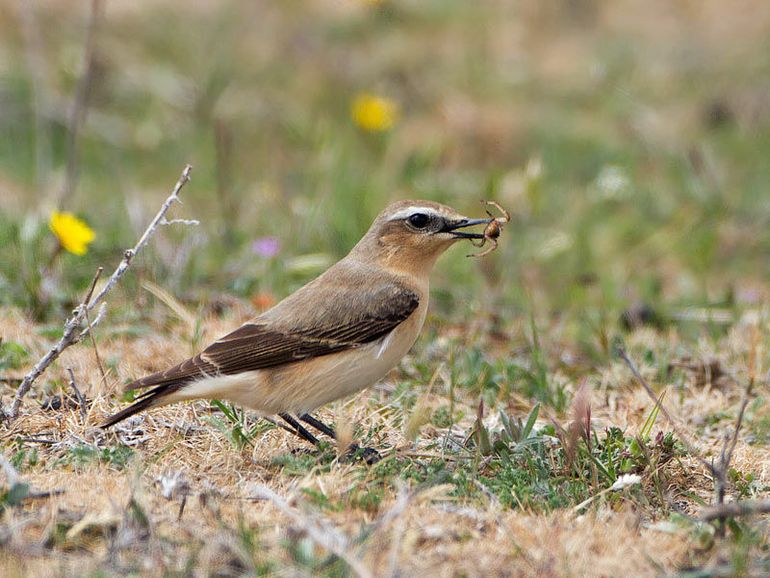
(492, 230)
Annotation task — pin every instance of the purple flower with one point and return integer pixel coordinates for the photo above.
(266, 247)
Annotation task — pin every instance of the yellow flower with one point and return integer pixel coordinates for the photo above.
(374, 113)
(73, 234)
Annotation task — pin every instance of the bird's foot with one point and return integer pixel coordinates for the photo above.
(304, 451)
(367, 455)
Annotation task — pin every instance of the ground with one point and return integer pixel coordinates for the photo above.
(628, 140)
(466, 510)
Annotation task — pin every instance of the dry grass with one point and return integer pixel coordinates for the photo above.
(116, 519)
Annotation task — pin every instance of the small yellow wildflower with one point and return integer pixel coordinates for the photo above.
(374, 113)
(73, 234)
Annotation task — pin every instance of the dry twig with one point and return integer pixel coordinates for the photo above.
(89, 325)
(736, 509)
(79, 108)
(78, 395)
(41, 100)
(394, 515)
(691, 449)
(730, 443)
(72, 328)
(323, 535)
(403, 500)
(718, 472)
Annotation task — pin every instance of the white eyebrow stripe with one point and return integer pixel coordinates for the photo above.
(404, 213)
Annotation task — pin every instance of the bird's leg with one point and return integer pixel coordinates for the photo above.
(299, 429)
(369, 455)
(319, 425)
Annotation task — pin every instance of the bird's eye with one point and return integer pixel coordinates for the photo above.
(418, 220)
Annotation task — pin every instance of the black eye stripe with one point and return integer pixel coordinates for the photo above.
(418, 220)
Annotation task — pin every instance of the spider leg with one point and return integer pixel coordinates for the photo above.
(488, 250)
(506, 215)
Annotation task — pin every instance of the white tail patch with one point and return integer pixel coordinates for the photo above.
(232, 387)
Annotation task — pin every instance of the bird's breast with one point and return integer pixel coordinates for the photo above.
(316, 382)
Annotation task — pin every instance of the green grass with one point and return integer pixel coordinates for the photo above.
(234, 425)
(299, 170)
(519, 466)
(81, 456)
(12, 355)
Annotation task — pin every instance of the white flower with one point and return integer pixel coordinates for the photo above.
(626, 480)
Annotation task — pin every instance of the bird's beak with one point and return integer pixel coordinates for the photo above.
(452, 226)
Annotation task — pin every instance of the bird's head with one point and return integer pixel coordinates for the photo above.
(411, 235)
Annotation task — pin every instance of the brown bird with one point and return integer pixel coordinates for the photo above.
(333, 337)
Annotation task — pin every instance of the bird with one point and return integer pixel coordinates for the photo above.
(336, 335)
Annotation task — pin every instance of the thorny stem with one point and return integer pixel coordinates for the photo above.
(72, 328)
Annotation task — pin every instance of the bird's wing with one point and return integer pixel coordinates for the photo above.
(335, 326)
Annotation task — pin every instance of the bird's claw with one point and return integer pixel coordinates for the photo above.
(367, 455)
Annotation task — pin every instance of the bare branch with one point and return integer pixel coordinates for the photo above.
(72, 328)
(92, 287)
(719, 472)
(735, 509)
(89, 325)
(188, 222)
(96, 349)
(149, 232)
(99, 316)
(728, 456)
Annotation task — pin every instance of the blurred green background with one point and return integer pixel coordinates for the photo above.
(628, 139)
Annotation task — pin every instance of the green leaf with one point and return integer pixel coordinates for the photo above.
(652, 417)
(531, 419)
(482, 438)
(15, 495)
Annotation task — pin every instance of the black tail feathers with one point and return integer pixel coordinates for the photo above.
(147, 400)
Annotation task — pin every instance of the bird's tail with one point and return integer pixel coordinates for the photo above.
(152, 398)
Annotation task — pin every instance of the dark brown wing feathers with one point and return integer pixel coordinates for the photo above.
(260, 345)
